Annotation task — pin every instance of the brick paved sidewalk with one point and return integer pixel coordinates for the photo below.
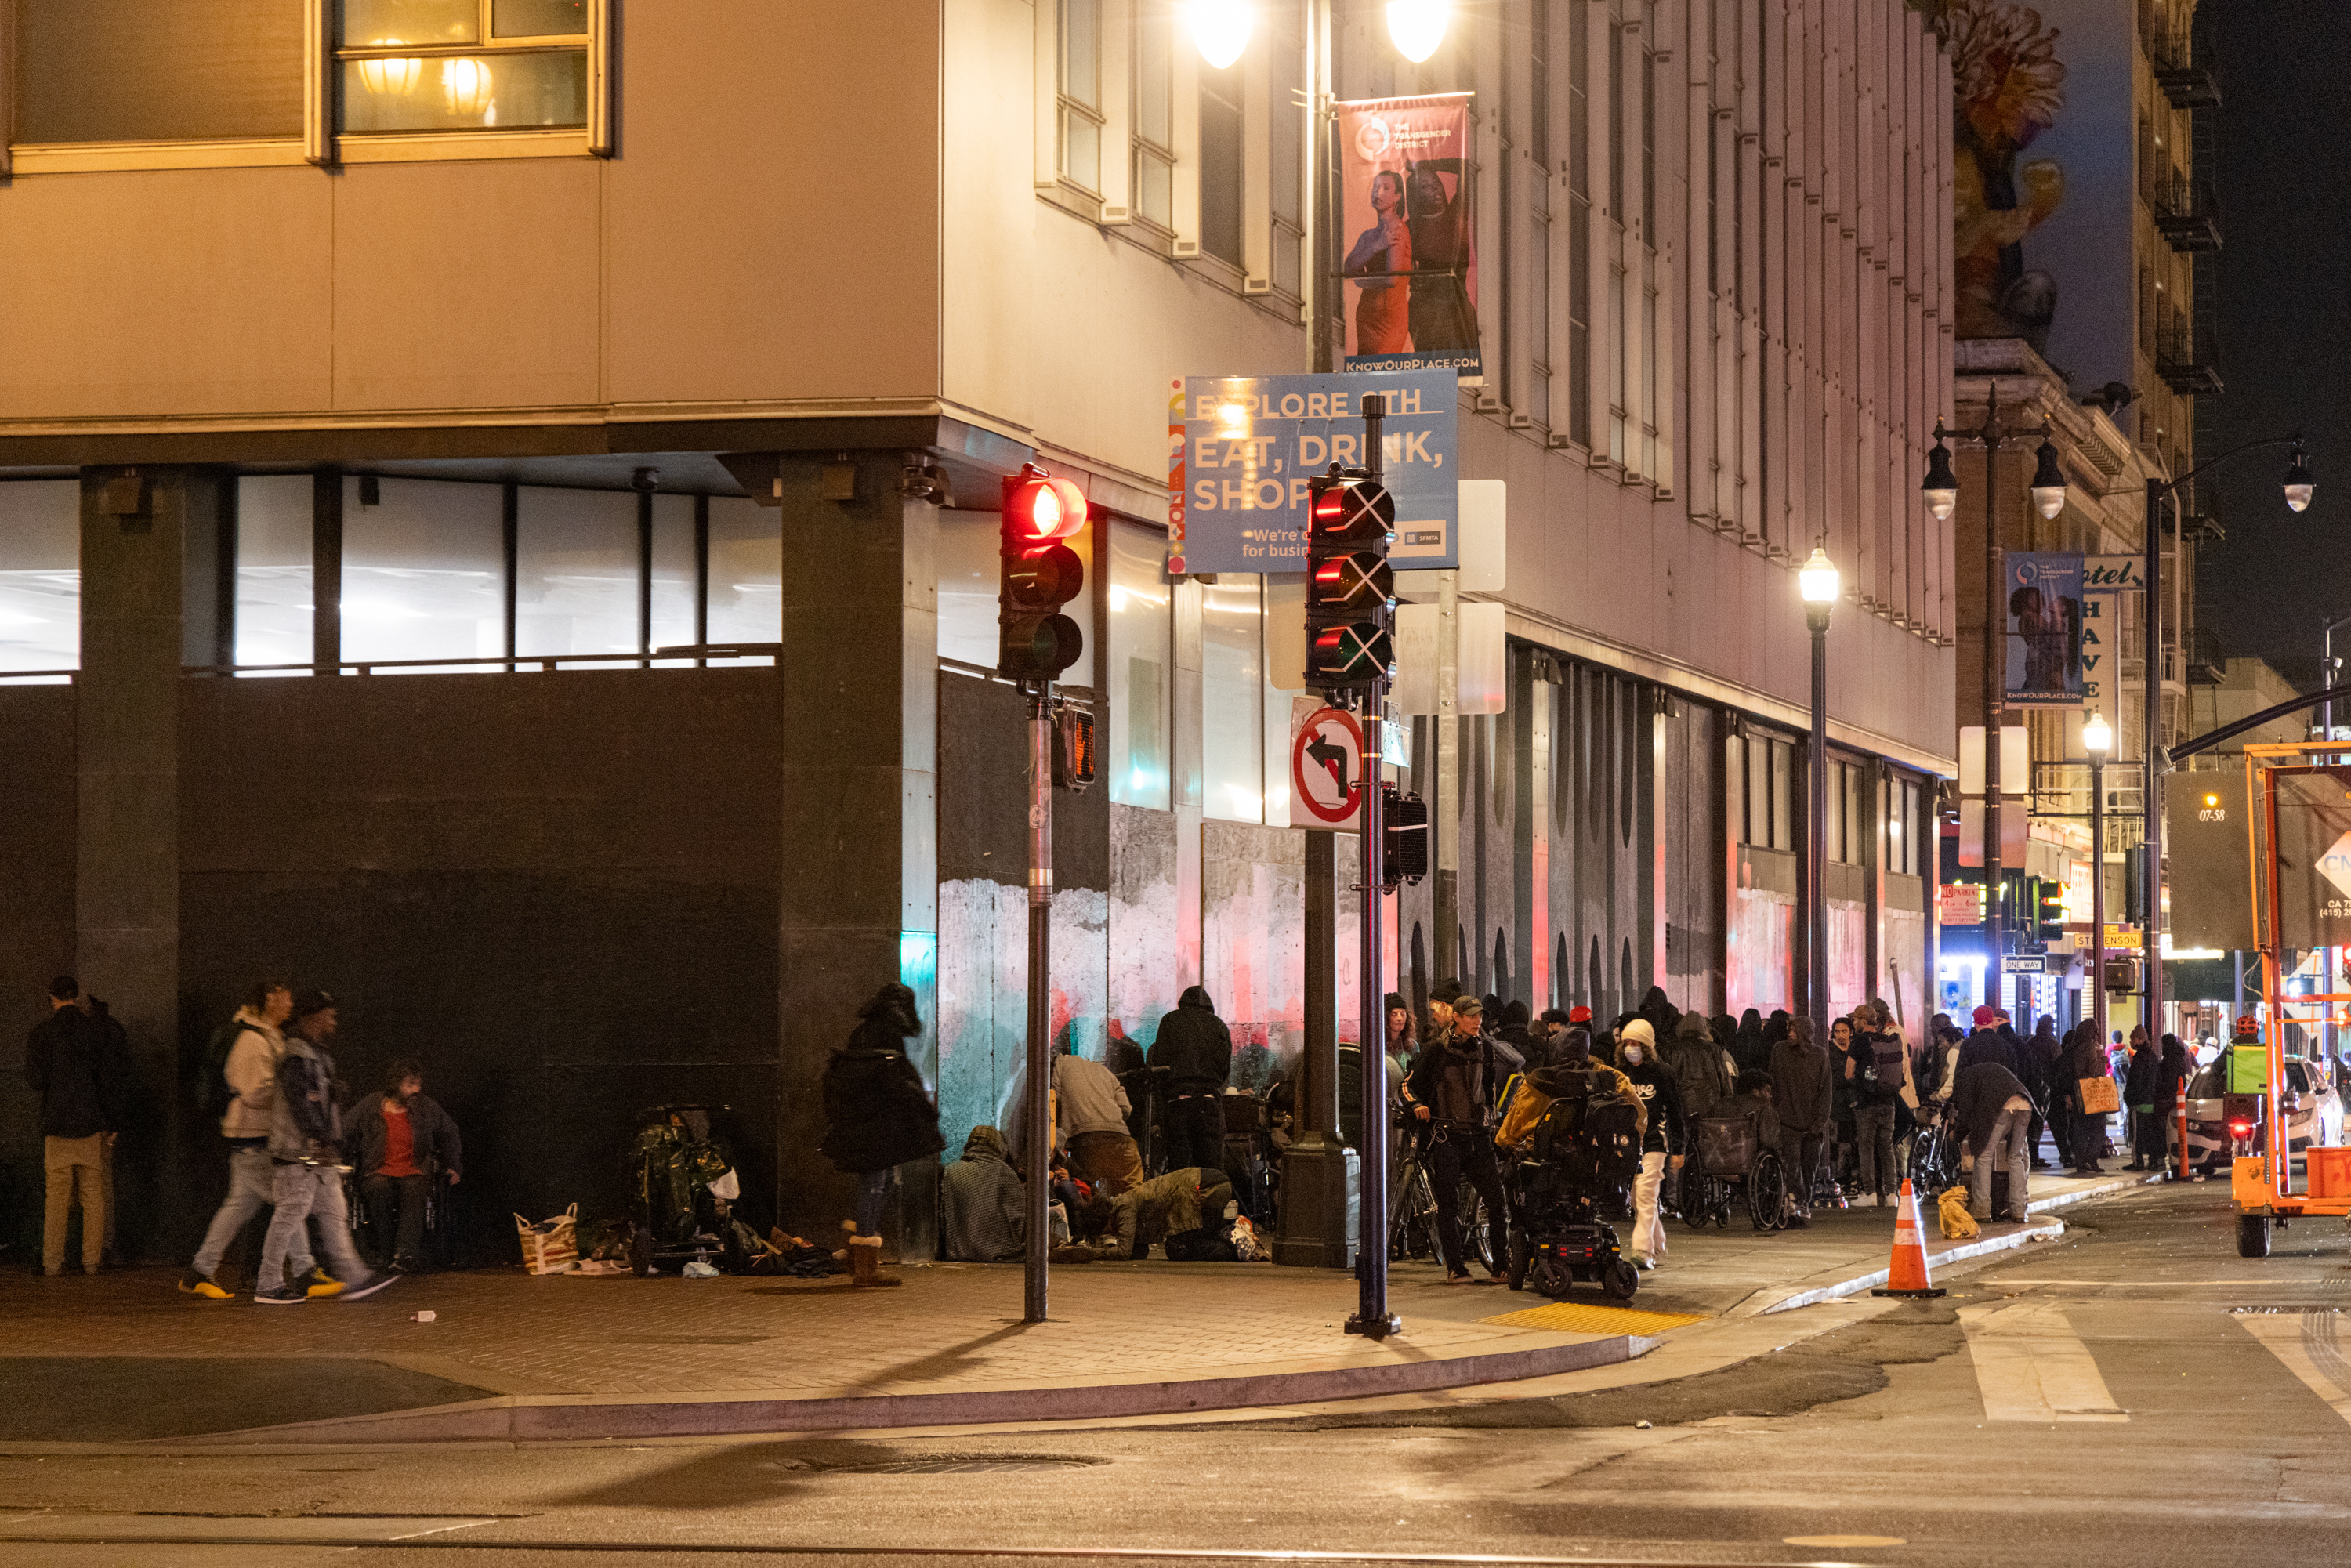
(952, 1330)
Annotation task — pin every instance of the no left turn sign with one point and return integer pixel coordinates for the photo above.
(1326, 767)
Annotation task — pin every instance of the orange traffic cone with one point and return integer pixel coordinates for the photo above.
(1907, 1274)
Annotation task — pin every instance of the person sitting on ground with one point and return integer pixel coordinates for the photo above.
(1093, 1111)
(1754, 1100)
(400, 1138)
(1162, 1207)
(982, 1213)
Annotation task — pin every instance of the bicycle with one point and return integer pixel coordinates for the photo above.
(1412, 1216)
(1934, 1152)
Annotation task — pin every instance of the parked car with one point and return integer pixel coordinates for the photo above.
(2314, 1111)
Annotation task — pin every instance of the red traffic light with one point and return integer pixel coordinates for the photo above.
(1044, 508)
(1352, 511)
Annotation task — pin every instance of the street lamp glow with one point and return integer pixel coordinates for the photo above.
(2048, 483)
(1940, 487)
(1817, 579)
(1220, 29)
(1418, 27)
(2097, 739)
(2298, 485)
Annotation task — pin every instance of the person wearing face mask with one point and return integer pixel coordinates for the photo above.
(1662, 1142)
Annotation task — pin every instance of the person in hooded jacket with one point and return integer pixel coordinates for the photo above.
(983, 1209)
(1196, 1050)
(2171, 1079)
(1519, 1035)
(1663, 1016)
(2139, 1085)
(878, 1117)
(1749, 1048)
(1701, 1072)
(2085, 1058)
(1803, 1093)
(1662, 1142)
(2040, 1054)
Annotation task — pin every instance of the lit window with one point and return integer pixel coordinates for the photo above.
(1232, 698)
(462, 65)
(576, 571)
(1137, 689)
(746, 575)
(1081, 117)
(1154, 117)
(273, 575)
(40, 576)
(424, 572)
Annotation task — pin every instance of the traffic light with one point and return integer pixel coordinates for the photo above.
(1035, 641)
(2051, 913)
(1350, 589)
(1403, 838)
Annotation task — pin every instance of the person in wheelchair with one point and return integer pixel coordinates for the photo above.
(1577, 1127)
(404, 1142)
(1736, 1160)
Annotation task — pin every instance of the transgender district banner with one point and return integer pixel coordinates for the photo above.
(2045, 629)
(1407, 221)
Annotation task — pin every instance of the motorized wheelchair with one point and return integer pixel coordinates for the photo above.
(1729, 1168)
(1575, 1178)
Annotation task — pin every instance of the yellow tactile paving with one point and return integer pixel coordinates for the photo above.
(1580, 1317)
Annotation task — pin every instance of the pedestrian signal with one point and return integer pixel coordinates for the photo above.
(1403, 838)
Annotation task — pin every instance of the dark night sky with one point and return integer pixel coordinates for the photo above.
(2284, 273)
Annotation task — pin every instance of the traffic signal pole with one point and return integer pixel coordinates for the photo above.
(1036, 1101)
(1372, 1317)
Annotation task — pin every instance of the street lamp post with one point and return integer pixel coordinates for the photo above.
(1817, 582)
(2298, 488)
(2097, 739)
(1941, 489)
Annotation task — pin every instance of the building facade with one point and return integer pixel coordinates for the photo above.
(407, 375)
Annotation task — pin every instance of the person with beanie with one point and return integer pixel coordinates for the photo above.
(1662, 1142)
(1452, 1089)
(879, 1116)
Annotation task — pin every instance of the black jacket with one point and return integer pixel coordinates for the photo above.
(1982, 1089)
(2145, 1074)
(1989, 1045)
(1653, 1081)
(878, 1114)
(1474, 1057)
(430, 1131)
(1194, 1045)
(78, 1065)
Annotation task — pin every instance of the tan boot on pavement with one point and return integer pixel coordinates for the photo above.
(865, 1264)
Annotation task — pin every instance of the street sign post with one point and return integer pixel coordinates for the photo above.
(1326, 767)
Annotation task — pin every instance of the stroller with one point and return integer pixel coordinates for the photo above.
(1578, 1178)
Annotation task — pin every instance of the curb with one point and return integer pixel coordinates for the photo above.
(544, 1417)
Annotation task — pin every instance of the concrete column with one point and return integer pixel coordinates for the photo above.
(135, 526)
(860, 909)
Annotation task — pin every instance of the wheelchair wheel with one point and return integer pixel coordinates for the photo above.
(1521, 1255)
(1551, 1278)
(1620, 1280)
(1767, 1192)
(1698, 1199)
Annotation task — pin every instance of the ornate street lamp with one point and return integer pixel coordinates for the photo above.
(1818, 583)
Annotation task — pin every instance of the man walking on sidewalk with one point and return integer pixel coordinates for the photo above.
(73, 1066)
(306, 1133)
(250, 1075)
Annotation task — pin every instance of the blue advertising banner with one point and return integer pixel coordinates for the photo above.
(2045, 629)
(1249, 445)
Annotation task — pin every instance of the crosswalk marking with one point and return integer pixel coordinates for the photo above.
(2032, 1367)
(2311, 1345)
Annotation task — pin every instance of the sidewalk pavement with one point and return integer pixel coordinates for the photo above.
(126, 1359)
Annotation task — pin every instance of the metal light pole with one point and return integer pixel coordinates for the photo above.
(2097, 739)
(1818, 583)
(2299, 488)
(1941, 490)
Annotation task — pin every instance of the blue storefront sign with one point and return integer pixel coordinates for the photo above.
(1249, 443)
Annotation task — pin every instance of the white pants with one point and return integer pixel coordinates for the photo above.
(1648, 1231)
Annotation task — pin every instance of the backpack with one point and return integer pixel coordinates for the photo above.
(212, 1090)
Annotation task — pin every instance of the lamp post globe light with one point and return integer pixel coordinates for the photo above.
(1418, 27)
(2097, 739)
(1220, 29)
(1818, 584)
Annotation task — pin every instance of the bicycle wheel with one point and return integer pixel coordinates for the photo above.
(1408, 1228)
(1476, 1239)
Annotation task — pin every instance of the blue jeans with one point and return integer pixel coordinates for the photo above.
(251, 1183)
(303, 1192)
(873, 1189)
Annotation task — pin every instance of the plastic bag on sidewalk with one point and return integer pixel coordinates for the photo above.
(551, 1245)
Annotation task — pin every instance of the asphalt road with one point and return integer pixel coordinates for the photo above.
(2137, 1394)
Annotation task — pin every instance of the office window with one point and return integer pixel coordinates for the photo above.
(1081, 112)
(1232, 698)
(1288, 119)
(1538, 355)
(576, 571)
(137, 70)
(423, 572)
(747, 574)
(462, 64)
(1734, 773)
(675, 580)
(1783, 756)
(1832, 830)
(40, 575)
(1137, 690)
(1155, 114)
(1220, 162)
(970, 564)
(274, 579)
